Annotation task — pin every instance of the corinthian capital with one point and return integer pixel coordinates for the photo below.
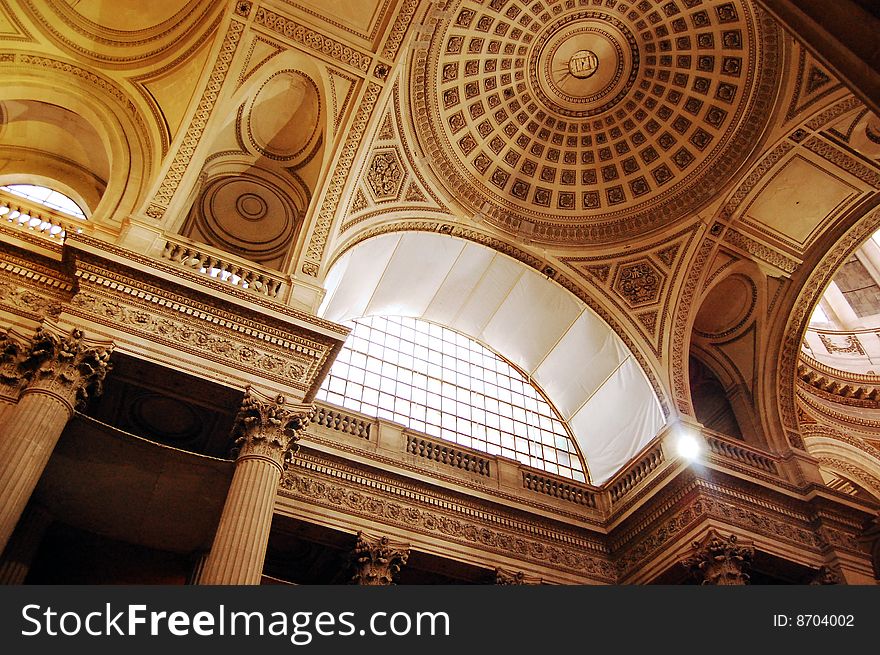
(377, 560)
(12, 352)
(720, 560)
(268, 427)
(67, 366)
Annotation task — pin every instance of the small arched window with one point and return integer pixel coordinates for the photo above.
(441, 383)
(47, 197)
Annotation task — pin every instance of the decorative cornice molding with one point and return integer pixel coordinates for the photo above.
(312, 39)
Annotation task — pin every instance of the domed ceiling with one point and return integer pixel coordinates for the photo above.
(582, 121)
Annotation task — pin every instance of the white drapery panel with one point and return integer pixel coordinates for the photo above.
(584, 368)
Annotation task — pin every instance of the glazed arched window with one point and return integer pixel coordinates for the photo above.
(47, 197)
(444, 384)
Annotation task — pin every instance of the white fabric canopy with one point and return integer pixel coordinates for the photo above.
(584, 368)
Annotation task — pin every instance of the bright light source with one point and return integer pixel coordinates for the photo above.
(688, 446)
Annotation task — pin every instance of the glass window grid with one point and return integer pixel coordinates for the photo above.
(46, 197)
(449, 387)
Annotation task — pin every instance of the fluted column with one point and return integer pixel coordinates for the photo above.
(20, 551)
(265, 430)
(720, 560)
(376, 560)
(60, 372)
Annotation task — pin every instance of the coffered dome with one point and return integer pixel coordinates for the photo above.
(581, 121)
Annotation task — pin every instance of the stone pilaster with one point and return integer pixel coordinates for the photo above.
(720, 560)
(266, 431)
(60, 373)
(376, 560)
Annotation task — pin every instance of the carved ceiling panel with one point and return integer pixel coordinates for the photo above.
(576, 121)
(639, 282)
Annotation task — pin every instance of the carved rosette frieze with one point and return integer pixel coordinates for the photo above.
(268, 428)
(65, 366)
(720, 560)
(377, 560)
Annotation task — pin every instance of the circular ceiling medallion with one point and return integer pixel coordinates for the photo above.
(569, 122)
(251, 206)
(246, 214)
(582, 64)
(565, 71)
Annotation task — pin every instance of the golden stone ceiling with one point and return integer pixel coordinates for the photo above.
(582, 121)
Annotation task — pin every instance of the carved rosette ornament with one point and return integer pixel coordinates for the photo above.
(268, 428)
(66, 367)
(376, 560)
(720, 560)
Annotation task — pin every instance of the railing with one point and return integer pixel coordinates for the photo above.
(447, 453)
(559, 489)
(740, 453)
(630, 477)
(224, 267)
(342, 422)
(514, 477)
(22, 214)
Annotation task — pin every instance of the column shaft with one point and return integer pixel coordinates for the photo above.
(19, 553)
(26, 443)
(239, 548)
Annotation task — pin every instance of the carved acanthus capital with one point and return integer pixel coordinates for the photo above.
(720, 560)
(825, 575)
(376, 560)
(268, 427)
(67, 366)
(12, 353)
(505, 577)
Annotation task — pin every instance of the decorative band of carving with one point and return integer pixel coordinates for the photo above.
(447, 453)
(342, 422)
(558, 489)
(630, 478)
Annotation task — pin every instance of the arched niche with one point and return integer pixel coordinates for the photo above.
(85, 136)
(582, 365)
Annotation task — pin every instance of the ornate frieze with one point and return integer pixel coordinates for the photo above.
(720, 560)
(269, 428)
(377, 560)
